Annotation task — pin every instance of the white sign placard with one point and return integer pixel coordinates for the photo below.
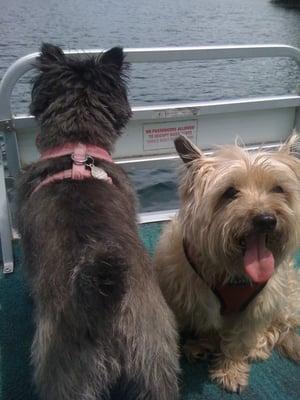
(161, 136)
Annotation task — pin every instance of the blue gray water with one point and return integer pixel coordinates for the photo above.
(147, 23)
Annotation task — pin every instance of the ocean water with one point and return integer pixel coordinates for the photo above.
(86, 24)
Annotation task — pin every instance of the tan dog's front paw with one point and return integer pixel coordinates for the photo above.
(231, 375)
(263, 348)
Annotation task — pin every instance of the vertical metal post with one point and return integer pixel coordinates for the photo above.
(12, 153)
(5, 224)
(297, 120)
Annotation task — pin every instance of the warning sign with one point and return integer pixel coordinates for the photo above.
(161, 136)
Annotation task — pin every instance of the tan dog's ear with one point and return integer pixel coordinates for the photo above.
(186, 149)
(292, 145)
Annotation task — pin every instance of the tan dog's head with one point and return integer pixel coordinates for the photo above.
(240, 210)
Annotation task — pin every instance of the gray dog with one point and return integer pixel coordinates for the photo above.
(103, 330)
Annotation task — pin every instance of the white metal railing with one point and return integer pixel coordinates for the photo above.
(131, 148)
(149, 55)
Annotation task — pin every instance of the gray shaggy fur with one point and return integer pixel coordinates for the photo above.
(103, 330)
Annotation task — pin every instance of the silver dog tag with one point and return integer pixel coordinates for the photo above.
(98, 173)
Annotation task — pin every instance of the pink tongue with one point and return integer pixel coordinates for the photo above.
(258, 260)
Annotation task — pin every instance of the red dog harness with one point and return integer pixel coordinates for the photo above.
(234, 296)
(83, 166)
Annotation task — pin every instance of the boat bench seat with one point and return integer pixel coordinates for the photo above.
(276, 378)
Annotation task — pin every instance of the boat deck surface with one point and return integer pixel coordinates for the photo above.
(274, 379)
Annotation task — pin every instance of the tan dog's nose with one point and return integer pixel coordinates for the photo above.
(264, 222)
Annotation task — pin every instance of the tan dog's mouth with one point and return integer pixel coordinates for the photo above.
(258, 259)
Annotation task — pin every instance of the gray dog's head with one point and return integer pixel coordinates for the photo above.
(79, 98)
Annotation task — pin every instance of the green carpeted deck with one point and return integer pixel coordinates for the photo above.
(275, 379)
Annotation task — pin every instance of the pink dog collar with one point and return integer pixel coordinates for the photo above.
(83, 163)
(80, 149)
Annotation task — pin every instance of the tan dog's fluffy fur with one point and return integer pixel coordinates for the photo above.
(215, 225)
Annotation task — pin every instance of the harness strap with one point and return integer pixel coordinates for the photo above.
(234, 296)
(69, 148)
(82, 156)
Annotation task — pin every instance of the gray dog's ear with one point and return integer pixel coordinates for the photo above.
(51, 53)
(186, 149)
(114, 56)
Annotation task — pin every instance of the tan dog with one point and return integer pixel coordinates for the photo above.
(224, 263)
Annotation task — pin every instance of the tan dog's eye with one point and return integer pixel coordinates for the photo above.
(230, 193)
(277, 189)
